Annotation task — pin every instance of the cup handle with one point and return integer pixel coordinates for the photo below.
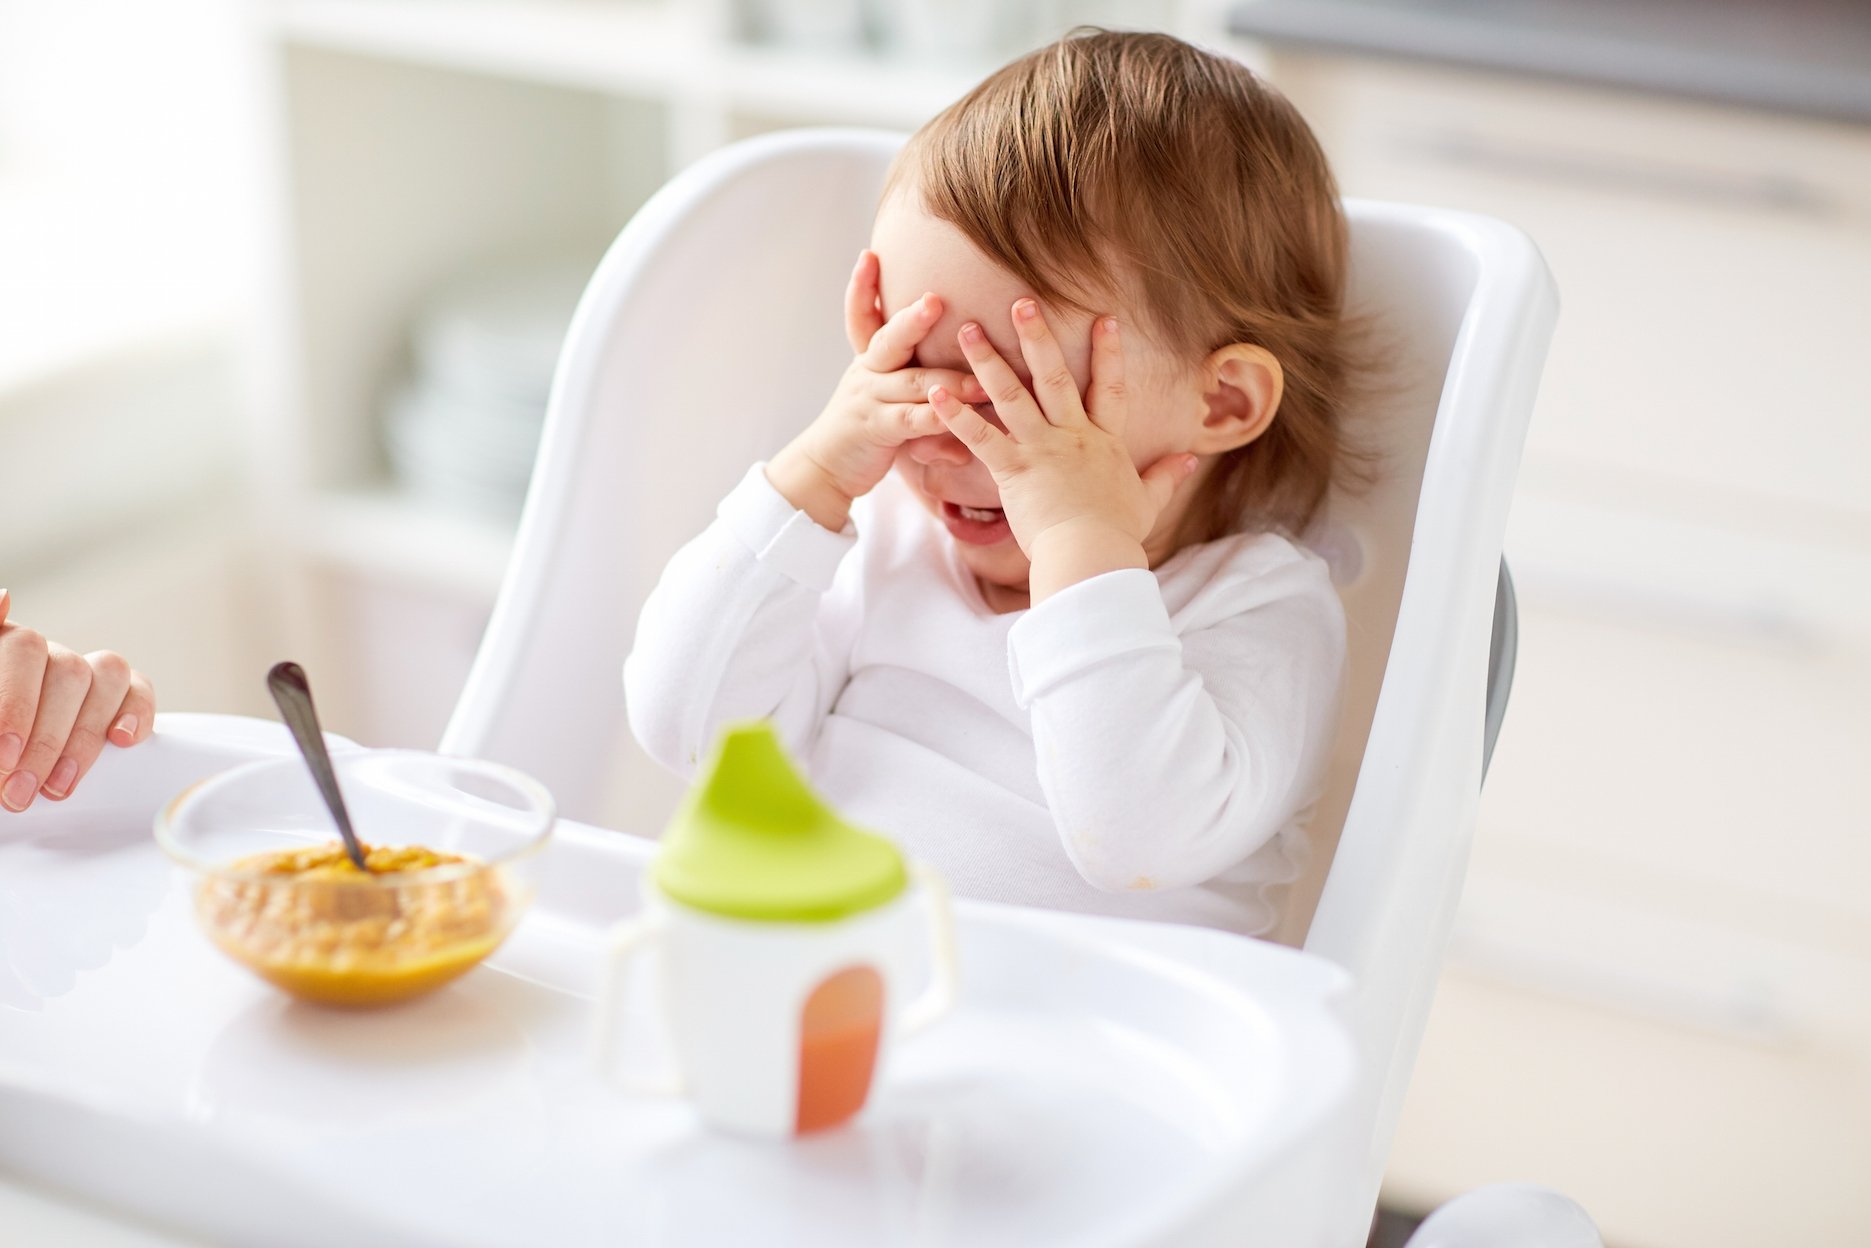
(627, 940)
(939, 997)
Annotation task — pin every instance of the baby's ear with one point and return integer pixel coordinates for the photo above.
(1242, 384)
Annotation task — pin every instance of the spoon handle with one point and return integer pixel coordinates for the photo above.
(293, 693)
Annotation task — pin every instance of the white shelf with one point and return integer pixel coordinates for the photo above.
(625, 48)
(388, 534)
(594, 45)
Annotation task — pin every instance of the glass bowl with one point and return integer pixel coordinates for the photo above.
(453, 845)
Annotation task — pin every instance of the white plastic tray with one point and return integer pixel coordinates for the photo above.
(1100, 1082)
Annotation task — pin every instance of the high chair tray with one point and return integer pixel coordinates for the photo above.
(1099, 1082)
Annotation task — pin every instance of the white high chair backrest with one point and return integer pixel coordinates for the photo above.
(711, 333)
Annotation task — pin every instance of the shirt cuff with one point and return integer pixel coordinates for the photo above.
(1111, 616)
(780, 535)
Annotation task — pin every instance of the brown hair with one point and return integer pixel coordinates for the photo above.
(1116, 161)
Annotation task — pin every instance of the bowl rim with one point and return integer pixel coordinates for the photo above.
(169, 811)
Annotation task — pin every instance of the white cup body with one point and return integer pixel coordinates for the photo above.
(733, 994)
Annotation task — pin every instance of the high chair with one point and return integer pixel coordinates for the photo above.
(697, 349)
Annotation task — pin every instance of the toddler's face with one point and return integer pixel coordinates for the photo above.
(918, 252)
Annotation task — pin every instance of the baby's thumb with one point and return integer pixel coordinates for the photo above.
(1166, 474)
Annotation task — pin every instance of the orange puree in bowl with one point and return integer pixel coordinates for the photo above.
(308, 921)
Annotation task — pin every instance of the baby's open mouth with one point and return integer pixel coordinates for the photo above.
(978, 526)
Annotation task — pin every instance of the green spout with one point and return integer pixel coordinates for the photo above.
(753, 841)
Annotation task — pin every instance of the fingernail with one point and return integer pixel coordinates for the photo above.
(939, 394)
(11, 747)
(125, 727)
(971, 332)
(19, 790)
(1026, 309)
(1110, 325)
(927, 304)
(1189, 463)
(59, 783)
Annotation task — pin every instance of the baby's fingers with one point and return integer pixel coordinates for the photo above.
(1017, 407)
(862, 319)
(892, 346)
(1106, 401)
(1162, 479)
(909, 421)
(1053, 383)
(988, 444)
(912, 385)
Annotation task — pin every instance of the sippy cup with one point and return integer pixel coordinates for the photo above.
(786, 940)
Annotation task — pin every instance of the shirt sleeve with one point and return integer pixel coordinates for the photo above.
(740, 626)
(1168, 756)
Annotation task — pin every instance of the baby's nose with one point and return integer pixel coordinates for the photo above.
(941, 448)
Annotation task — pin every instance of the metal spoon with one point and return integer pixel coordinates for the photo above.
(293, 693)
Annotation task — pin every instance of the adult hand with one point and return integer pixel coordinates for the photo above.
(58, 708)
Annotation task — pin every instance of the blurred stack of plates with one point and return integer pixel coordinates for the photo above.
(462, 429)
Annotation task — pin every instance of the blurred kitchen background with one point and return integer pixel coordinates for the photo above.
(281, 283)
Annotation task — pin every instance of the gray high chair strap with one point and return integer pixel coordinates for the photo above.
(1502, 646)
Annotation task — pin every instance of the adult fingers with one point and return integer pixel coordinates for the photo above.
(984, 441)
(1053, 384)
(110, 682)
(1015, 404)
(862, 319)
(136, 718)
(912, 385)
(891, 347)
(61, 693)
(22, 670)
(1108, 398)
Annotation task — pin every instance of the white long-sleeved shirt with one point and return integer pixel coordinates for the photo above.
(1143, 743)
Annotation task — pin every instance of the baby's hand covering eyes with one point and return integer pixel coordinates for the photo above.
(881, 402)
(1066, 478)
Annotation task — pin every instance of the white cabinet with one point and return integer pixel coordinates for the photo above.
(1659, 995)
(1713, 266)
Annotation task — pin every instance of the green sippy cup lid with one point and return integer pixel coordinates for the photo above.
(753, 841)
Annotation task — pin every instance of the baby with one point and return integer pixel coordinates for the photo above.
(1025, 595)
